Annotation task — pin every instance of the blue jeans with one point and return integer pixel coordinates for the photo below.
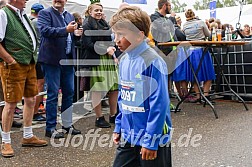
(56, 77)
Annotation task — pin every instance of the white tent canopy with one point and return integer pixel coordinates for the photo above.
(226, 15)
(71, 6)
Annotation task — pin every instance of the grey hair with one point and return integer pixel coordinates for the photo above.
(2, 3)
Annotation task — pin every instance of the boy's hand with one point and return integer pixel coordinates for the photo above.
(116, 61)
(116, 138)
(111, 50)
(148, 154)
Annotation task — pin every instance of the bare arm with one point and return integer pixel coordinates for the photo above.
(3, 53)
(205, 29)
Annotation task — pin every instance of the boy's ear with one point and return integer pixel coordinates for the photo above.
(140, 36)
(164, 6)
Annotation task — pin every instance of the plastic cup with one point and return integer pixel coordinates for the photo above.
(218, 32)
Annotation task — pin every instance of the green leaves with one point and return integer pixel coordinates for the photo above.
(177, 7)
(94, 1)
(204, 4)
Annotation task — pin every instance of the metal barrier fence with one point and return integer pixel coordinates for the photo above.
(237, 68)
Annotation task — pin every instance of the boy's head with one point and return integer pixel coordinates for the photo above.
(131, 26)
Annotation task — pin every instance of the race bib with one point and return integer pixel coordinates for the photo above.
(132, 96)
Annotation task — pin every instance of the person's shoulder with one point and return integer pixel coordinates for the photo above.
(152, 58)
(199, 21)
(89, 23)
(149, 55)
(49, 9)
(86, 23)
(154, 16)
(34, 20)
(186, 23)
(69, 14)
(3, 15)
(2, 12)
(123, 56)
(46, 11)
(192, 22)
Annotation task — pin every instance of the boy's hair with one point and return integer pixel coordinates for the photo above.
(131, 17)
(161, 3)
(90, 7)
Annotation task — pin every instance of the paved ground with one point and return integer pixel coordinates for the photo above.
(198, 140)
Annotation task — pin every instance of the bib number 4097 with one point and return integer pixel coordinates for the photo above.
(128, 95)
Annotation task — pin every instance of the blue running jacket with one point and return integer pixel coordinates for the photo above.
(144, 117)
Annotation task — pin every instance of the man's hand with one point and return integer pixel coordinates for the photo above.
(12, 62)
(6, 56)
(148, 154)
(116, 138)
(71, 27)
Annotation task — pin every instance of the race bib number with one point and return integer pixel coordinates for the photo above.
(128, 95)
(132, 96)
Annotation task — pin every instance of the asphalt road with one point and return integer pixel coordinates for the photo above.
(199, 140)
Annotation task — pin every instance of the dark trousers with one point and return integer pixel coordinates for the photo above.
(59, 77)
(127, 156)
(77, 93)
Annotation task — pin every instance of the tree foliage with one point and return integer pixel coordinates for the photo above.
(201, 4)
(177, 7)
(248, 1)
(204, 4)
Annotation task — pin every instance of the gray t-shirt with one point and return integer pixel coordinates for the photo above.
(196, 30)
(34, 22)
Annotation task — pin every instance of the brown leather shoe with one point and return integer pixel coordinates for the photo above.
(33, 142)
(6, 150)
